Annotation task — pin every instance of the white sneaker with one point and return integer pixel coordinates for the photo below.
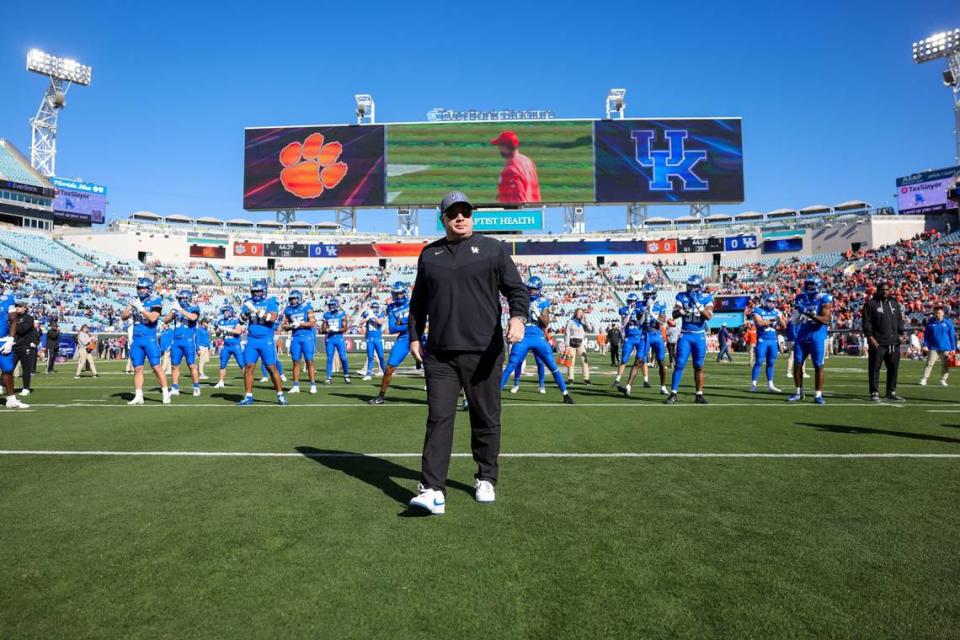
(13, 403)
(204, 377)
(25, 392)
(541, 390)
(484, 491)
(364, 373)
(313, 389)
(806, 375)
(166, 398)
(136, 400)
(366, 377)
(174, 392)
(753, 387)
(430, 499)
(283, 378)
(219, 385)
(196, 392)
(515, 388)
(923, 382)
(943, 382)
(294, 389)
(773, 389)
(264, 379)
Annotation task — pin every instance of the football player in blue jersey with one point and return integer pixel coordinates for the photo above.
(301, 324)
(652, 315)
(260, 312)
(812, 313)
(769, 322)
(632, 336)
(8, 328)
(695, 308)
(519, 370)
(398, 314)
(335, 323)
(230, 329)
(277, 343)
(145, 310)
(373, 321)
(535, 340)
(184, 316)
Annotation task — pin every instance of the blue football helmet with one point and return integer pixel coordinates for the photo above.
(770, 301)
(333, 305)
(185, 296)
(812, 284)
(399, 291)
(227, 311)
(649, 291)
(632, 299)
(695, 283)
(375, 306)
(144, 288)
(295, 298)
(258, 290)
(534, 285)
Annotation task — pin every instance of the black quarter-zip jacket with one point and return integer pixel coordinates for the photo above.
(458, 289)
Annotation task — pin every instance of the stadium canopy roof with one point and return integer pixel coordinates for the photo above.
(14, 167)
(239, 222)
(781, 213)
(179, 218)
(209, 220)
(719, 217)
(749, 215)
(271, 224)
(327, 225)
(144, 215)
(298, 225)
(852, 205)
(686, 220)
(657, 222)
(815, 208)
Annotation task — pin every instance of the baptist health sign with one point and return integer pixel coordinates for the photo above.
(518, 220)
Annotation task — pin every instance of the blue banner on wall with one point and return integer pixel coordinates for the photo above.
(591, 248)
(323, 251)
(739, 243)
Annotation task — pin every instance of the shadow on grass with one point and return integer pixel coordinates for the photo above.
(367, 396)
(850, 430)
(229, 397)
(376, 472)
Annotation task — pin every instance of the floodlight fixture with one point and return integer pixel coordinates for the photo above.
(366, 108)
(616, 104)
(61, 72)
(945, 44)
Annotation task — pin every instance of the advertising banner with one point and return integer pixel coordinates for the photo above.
(783, 245)
(208, 251)
(592, 247)
(669, 160)
(926, 192)
(77, 200)
(519, 220)
(314, 167)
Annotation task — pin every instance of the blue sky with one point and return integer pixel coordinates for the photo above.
(833, 106)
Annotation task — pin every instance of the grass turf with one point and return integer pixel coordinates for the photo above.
(173, 547)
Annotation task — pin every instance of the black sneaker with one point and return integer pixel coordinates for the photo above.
(893, 397)
(699, 399)
(377, 400)
(586, 382)
(568, 400)
(646, 385)
(875, 397)
(671, 399)
(464, 406)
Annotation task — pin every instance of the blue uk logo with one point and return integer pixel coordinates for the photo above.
(674, 161)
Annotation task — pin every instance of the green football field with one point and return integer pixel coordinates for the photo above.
(615, 518)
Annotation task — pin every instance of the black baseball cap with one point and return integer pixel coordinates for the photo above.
(455, 197)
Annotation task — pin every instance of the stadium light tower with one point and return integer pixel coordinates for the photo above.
(945, 44)
(616, 105)
(366, 109)
(62, 72)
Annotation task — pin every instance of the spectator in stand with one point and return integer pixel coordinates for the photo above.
(86, 346)
(940, 339)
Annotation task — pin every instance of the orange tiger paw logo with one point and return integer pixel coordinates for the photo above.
(311, 167)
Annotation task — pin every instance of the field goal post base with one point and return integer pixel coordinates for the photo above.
(408, 222)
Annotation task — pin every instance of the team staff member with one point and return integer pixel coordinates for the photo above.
(459, 281)
(883, 325)
(53, 345)
(940, 338)
(25, 345)
(576, 334)
(86, 343)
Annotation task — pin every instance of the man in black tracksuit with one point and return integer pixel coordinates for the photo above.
(459, 281)
(25, 345)
(883, 325)
(53, 345)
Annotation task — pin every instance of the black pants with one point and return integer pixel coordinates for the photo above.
(615, 354)
(888, 355)
(51, 358)
(478, 374)
(27, 358)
